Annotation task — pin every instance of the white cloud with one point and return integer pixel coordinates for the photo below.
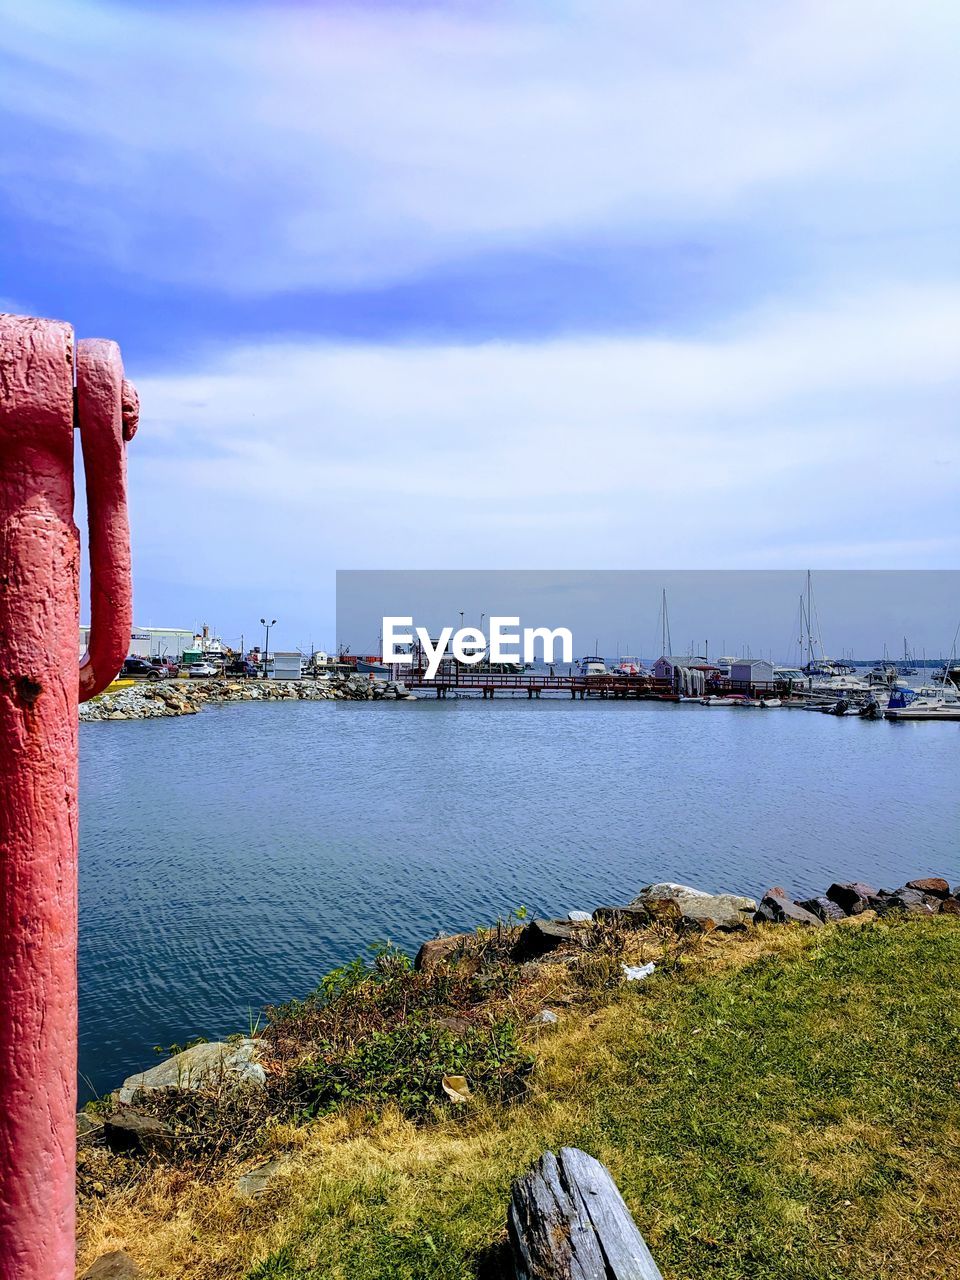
(824, 436)
(269, 148)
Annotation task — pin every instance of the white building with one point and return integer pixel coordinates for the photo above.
(751, 671)
(151, 642)
(286, 665)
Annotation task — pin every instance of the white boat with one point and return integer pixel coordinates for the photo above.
(593, 666)
(720, 700)
(771, 702)
(940, 703)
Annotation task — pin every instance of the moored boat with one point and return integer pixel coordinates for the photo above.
(939, 703)
(592, 665)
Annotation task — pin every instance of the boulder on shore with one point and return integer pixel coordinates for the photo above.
(853, 897)
(823, 907)
(696, 907)
(542, 936)
(203, 1064)
(777, 908)
(131, 1131)
(444, 950)
(935, 886)
(912, 901)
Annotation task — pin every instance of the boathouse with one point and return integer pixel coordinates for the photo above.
(749, 673)
(684, 675)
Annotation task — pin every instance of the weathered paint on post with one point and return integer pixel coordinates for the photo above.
(39, 691)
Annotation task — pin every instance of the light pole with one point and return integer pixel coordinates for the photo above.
(266, 643)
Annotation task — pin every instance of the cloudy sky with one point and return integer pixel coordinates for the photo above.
(515, 285)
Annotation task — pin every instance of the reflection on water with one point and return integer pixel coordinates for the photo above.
(229, 859)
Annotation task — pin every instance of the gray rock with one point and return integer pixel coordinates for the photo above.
(579, 917)
(696, 907)
(131, 1131)
(203, 1064)
(852, 897)
(543, 936)
(632, 917)
(824, 908)
(776, 908)
(545, 1018)
(113, 1266)
(254, 1182)
(913, 901)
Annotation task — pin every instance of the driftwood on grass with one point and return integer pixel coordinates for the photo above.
(568, 1221)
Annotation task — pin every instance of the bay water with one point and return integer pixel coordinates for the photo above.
(230, 859)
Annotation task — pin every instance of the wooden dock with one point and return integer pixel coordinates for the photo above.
(488, 683)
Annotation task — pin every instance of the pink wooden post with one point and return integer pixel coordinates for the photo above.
(40, 687)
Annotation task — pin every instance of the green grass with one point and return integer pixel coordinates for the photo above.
(796, 1114)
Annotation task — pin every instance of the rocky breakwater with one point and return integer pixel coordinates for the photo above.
(157, 698)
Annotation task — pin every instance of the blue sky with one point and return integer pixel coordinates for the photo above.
(617, 285)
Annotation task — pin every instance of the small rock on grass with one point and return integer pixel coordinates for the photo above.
(545, 1018)
(113, 1266)
(254, 1182)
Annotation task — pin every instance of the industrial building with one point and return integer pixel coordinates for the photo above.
(151, 642)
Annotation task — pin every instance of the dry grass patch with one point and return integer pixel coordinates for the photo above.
(781, 1106)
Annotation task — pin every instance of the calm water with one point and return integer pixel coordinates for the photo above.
(229, 859)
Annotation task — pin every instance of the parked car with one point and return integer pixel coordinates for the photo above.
(166, 666)
(140, 669)
(241, 667)
(203, 669)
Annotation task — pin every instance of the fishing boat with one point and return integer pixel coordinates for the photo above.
(930, 703)
(372, 666)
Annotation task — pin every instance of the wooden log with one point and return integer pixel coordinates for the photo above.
(568, 1221)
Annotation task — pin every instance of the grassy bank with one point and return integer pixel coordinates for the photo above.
(782, 1104)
